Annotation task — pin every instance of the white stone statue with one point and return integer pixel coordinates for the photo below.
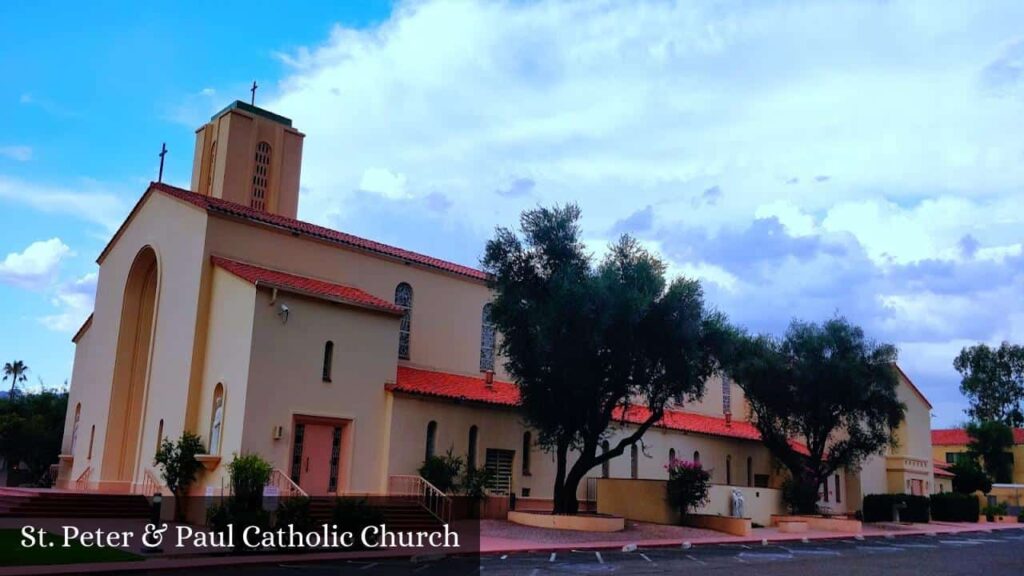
(215, 429)
(737, 503)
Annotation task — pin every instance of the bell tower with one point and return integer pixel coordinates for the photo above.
(249, 156)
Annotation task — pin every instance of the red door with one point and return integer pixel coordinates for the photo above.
(315, 462)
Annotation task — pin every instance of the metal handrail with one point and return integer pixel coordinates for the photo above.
(151, 484)
(284, 484)
(429, 496)
(82, 482)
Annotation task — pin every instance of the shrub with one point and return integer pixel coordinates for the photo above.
(443, 471)
(954, 507)
(249, 475)
(800, 494)
(294, 511)
(991, 512)
(178, 466)
(879, 507)
(969, 478)
(688, 485)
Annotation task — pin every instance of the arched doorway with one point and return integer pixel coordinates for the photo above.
(131, 369)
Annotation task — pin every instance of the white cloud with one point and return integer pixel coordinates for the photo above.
(875, 133)
(36, 266)
(93, 203)
(74, 301)
(19, 153)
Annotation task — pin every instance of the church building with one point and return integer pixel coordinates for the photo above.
(343, 361)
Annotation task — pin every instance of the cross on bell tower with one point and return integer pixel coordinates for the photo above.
(252, 101)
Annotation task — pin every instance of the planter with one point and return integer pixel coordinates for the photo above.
(830, 524)
(581, 522)
(1000, 519)
(726, 524)
(792, 526)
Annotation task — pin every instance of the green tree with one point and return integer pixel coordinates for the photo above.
(827, 385)
(32, 429)
(968, 477)
(179, 466)
(587, 343)
(992, 379)
(15, 371)
(992, 441)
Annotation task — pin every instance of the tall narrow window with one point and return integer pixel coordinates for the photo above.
(403, 299)
(92, 436)
(487, 333)
(671, 455)
(431, 438)
(606, 465)
(260, 177)
(728, 470)
(328, 360)
(726, 396)
(634, 462)
(471, 453)
(696, 457)
(213, 165)
(527, 448)
(839, 497)
(750, 471)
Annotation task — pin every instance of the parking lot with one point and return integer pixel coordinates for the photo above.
(982, 552)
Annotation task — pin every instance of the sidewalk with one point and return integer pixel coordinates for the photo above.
(505, 545)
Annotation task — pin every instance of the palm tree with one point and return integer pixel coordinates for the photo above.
(16, 372)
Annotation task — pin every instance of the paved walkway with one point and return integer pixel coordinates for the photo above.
(500, 538)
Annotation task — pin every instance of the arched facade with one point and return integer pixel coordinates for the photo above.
(131, 369)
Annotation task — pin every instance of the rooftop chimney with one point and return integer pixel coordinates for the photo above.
(728, 418)
(489, 378)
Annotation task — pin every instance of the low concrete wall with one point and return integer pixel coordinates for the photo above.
(561, 522)
(490, 508)
(645, 501)
(846, 525)
(727, 524)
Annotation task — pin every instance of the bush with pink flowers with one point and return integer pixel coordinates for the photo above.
(688, 485)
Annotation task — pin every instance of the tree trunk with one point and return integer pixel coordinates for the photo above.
(561, 452)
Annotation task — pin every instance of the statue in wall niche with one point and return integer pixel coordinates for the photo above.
(215, 428)
(737, 503)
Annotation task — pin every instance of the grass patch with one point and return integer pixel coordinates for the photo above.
(12, 553)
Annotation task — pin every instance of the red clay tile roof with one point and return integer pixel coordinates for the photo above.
(219, 206)
(959, 437)
(473, 389)
(941, 469)
(304, 285)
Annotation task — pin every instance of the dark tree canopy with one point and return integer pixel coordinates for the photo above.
(31, 429)
(825, 385)
(992, 379)
(585, 341)
(992, 442)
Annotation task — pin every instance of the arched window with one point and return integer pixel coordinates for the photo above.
(403, 299)
(696, 457)
(471, 453)
(728, 470)
(431, 438)
(159, 435)
(217, 418)
(487, 333)
(634, 462)
(671, 455)
(74, 427)
(328, 360)
(260, 177)
(750, 471)
(606, 465)
(527, 447)
(92, 436)
(726, 396)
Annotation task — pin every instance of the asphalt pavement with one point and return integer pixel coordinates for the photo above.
(990, 553)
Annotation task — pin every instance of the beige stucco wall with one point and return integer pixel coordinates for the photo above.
(939, 454)
(229, 344)
(175, 231)
(503, 429)
(446, 313)
(646, 501)
(285, 380)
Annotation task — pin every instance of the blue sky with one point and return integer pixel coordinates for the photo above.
(801, 158)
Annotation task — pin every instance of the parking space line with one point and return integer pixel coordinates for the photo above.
(600, 560)
(701, 562)
(368, 566)
(552, 558)
(644, 556)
